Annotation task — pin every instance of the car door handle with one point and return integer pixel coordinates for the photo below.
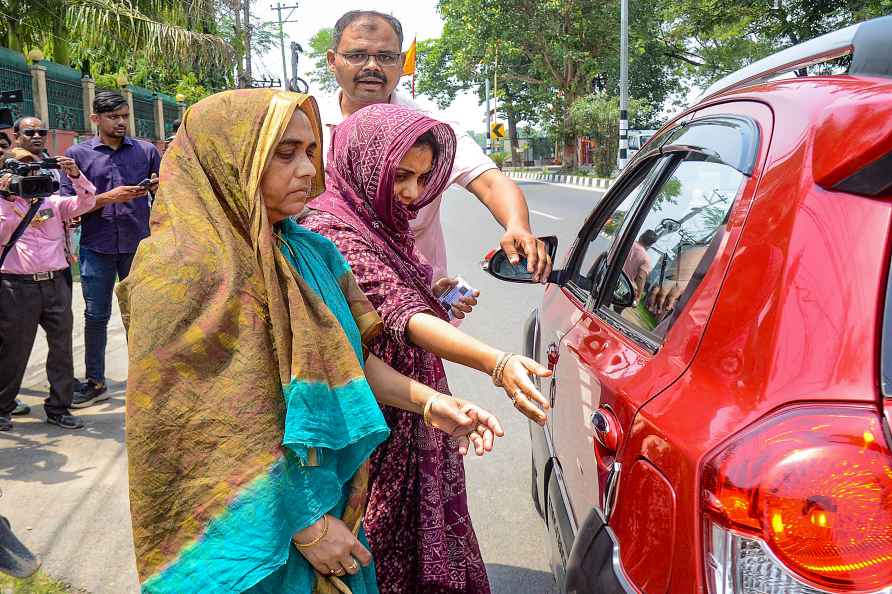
(607, 430)
(553, 354)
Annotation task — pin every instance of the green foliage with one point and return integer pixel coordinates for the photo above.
(155, 42)
(548, 52)
(596, 117)
(191, 89)
(709, 39)
(498, 159)
(106, 81)
(321, 74)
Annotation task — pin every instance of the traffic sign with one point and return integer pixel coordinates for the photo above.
(497, 131)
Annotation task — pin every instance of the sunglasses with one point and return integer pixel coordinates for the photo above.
(35, 132)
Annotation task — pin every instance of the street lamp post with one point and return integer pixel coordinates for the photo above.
(623, 84)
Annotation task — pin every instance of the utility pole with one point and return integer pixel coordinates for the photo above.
(623, 84)
(487, 136)
(248, 74)
(279, 8)
(241, 81)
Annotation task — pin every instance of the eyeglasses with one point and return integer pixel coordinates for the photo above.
(35, 131)
(384, 59)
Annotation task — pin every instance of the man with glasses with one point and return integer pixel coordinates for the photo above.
(367, 60)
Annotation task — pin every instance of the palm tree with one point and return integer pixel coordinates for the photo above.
(181, 32)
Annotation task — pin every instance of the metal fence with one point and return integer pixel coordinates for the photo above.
(65, 98)
(14, 76)
(144, 113)
(171, 113)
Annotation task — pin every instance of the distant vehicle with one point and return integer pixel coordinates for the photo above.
(721, 340)
(637, 139)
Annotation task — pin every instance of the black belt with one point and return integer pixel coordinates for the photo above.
(34, 278)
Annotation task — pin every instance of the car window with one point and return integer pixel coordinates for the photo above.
(673, 242)
(590, 263)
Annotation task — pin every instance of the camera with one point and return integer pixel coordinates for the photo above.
(31, 180)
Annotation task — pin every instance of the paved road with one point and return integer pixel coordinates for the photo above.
(511, 534)
(66, 493)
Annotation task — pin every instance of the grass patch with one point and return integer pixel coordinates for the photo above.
(38, 583)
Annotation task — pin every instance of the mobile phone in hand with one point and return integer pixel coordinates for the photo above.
(144, 184)
(454, 295)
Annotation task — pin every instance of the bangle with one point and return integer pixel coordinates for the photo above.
(426, 415)
(318, 539)
(500, 368)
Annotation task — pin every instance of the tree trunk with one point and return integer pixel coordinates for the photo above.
(568, 140)
(516, 160)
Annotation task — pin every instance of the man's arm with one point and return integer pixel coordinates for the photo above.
(507, 204)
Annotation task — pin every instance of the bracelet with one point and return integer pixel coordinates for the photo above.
(319, 538)
(500, 368)
(426, 415)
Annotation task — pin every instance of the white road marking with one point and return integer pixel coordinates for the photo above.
(546, 215)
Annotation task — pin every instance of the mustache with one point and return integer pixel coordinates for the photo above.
(370, 75)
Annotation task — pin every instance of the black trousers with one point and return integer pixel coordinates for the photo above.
(25, 305)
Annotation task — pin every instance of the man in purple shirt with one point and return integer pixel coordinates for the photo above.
(116, 164)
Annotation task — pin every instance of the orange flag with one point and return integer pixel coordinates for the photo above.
(409, 64)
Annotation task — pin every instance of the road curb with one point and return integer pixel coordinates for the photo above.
(570, 180)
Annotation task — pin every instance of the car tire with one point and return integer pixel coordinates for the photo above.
(534, 488)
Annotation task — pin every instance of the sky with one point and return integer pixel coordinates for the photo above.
(419, 18)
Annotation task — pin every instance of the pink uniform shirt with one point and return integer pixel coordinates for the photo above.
(41, 248)
(470, 162)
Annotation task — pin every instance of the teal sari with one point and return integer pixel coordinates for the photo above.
(341, 424)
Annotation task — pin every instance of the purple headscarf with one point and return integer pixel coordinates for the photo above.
(366, 150)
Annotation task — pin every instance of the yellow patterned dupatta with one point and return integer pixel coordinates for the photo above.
(248, 413)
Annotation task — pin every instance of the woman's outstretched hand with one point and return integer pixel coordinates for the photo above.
(331, 548)
(467, 422)
(521, 390)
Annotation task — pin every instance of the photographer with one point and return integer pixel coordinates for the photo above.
(33, 288)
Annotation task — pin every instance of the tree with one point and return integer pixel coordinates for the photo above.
(322, 74)
(172, 37)
(548, 52)
(709, 39)
(596, 116)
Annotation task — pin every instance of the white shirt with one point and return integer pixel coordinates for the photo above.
(470, 162)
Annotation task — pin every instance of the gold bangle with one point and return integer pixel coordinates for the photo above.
(426, 415)
(500, 369)
(319, 538)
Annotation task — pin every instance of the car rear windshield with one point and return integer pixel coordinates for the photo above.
(886, 354)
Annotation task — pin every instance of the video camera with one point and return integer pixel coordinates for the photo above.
(31, 180)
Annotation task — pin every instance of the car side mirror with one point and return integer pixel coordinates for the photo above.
(497, 264)
(623, 293)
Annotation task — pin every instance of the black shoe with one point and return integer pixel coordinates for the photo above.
(21, 408)
(90, 393)
(64, 421)
(15, 558)
(5, 423)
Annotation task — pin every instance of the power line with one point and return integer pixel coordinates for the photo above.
(279, 8)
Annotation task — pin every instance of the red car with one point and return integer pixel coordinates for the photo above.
(721, 339)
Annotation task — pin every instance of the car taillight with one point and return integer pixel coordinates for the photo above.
(802, 503)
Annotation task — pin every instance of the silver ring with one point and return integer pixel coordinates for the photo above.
(355, 565)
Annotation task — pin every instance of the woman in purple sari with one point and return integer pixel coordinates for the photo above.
(386, 162)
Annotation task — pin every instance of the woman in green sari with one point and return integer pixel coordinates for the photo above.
(251, 406)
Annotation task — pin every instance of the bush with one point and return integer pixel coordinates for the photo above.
(498, 159)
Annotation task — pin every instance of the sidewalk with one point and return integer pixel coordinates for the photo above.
(65, 492)
(580, 181)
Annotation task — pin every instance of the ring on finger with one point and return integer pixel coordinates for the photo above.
(353, 566)
(517, 394)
